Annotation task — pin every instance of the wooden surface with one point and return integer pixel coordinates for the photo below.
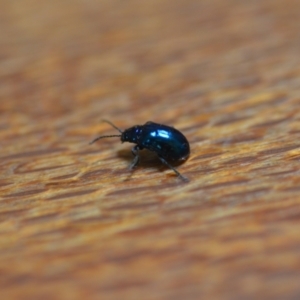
(76, 223)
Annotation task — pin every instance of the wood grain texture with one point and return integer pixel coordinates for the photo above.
(76, 223)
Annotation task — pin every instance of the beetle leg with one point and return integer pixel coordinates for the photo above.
(171, 167)
(135, 153)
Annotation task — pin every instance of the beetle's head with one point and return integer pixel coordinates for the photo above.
(131, 134)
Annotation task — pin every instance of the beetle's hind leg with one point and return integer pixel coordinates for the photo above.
(135, 152)
(174, 169)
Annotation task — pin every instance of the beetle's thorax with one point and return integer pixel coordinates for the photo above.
(132, 134)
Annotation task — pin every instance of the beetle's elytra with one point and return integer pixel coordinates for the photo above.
(168, 143)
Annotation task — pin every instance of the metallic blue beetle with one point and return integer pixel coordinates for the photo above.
(167, 142)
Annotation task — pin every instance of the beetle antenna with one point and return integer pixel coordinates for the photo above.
(104, 136)
(113, 125)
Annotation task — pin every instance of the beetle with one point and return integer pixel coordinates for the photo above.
(167, 142)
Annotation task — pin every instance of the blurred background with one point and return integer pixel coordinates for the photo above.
(75, 222)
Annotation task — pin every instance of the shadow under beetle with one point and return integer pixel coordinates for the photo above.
(167, 142)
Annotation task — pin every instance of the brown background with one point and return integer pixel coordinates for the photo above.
(75, 223)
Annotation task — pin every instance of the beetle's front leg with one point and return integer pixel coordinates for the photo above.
(135, 152)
